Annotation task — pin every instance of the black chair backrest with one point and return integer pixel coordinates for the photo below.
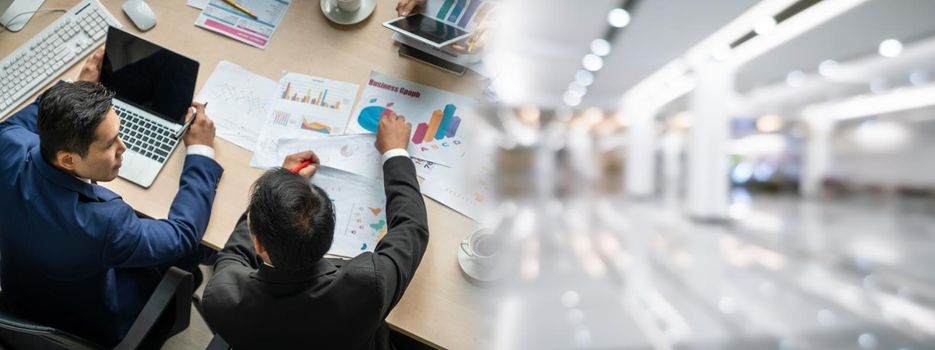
(19, 333)
(166, 313)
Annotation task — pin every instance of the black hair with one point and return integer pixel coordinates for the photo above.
(293, 219)
(69, 114)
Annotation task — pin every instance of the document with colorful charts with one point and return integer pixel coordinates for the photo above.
(304, 106)
(222, 18)
(352, 153)
(437, 116)
(359, 202)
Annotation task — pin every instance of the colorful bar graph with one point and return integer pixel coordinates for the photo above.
(443, 11)
(420, 133)
(446, 120)
(453, 130)
(453, 17)
(442, 124)
(469, 13)
(289, 95)
(433, 125)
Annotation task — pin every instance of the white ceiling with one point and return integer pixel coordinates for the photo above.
(547, 45)
(853, 35)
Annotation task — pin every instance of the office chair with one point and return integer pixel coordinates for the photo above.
(165, 314)
(218, 343)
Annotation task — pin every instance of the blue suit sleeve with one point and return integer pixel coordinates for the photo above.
(135, 242)
(25, 118)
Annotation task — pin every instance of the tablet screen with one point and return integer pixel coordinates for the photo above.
(428, 28)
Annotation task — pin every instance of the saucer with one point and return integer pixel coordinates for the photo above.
(337, 15)
(476, 271)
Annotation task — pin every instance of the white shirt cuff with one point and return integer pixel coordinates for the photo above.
(201, 150)
(396, 152)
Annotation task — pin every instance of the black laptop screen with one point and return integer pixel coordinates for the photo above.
(148, 76)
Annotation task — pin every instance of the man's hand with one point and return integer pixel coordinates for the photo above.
(92, 67)
(406, 7)
(201, 131)
(474, 43)
(294, 160)
(393, 132)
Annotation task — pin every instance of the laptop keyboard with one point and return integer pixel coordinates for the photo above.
(144, 137)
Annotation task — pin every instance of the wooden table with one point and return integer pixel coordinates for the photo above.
(438, 308)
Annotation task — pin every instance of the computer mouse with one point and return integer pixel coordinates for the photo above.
(140, 13)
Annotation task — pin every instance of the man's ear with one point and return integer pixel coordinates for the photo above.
(66, 160)
(260, 249)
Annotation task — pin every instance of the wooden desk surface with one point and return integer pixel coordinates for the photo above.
(438, 307)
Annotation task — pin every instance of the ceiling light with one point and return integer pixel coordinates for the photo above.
(584, 78)
(827, 68)
(600, 47)
(890, 48)
(795, 78)
(592, 62)
(765, 26)
(618, 17)
(571, 99)
(577, 89)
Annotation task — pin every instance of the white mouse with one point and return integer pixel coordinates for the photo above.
(140, 13)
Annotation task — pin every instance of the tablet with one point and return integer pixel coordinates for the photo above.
(427, 30)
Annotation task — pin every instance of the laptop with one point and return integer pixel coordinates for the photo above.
(154, 89)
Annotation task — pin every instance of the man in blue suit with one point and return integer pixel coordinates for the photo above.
(74, 255)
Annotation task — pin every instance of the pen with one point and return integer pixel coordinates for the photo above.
(241, 8)
(301, 166)
(188, 124)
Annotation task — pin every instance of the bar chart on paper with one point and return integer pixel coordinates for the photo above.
(314, 96)
(444, 124)
(304, 106)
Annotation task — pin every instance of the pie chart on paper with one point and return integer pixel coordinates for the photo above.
(369, 117)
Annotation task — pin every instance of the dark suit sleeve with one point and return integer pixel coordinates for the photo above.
(137, 242)
(239, 251)
(398, 254)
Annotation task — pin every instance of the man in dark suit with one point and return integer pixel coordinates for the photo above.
(273, 290)
(75, 256)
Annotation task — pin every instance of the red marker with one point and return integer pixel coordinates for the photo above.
(301, 166)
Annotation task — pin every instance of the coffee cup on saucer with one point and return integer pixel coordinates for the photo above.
(348, 12)
(479, 255)
(348, 5)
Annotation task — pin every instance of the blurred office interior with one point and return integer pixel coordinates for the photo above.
(730, 174)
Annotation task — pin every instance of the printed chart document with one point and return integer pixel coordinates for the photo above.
(238, 102)
(467, 190)
(226, 20)
(359, 202)
(303, 106)
(352, 153)
(198, 4)
(438, 117)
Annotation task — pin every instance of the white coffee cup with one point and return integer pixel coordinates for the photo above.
(349, 5)
(482, 246)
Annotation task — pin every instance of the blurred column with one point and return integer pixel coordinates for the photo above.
(708, 173)
(816, 159)
(671, 147)
(641, 149)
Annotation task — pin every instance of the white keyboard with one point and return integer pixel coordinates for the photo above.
(51, 52)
